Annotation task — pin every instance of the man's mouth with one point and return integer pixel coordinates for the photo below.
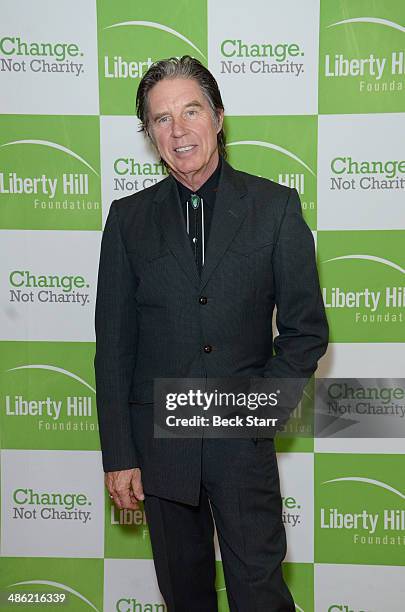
(184, 149)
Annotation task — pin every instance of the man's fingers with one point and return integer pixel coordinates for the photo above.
(115, 499)
(125, 488)
(136, 484)
(138, 491)
(125, 501)
(124, 498)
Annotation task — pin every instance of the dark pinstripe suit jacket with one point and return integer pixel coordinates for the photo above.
(150, 324)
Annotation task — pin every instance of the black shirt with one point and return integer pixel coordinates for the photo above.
(207, 193)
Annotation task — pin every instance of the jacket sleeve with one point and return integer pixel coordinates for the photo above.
(116, 334)
(300, 318)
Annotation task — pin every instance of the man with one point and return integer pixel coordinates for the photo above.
(190, 272)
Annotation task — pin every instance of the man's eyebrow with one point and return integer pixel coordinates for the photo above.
(193, 103)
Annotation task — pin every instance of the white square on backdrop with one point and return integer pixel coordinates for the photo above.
(133, 583)
(359, 588)
(36, 523)
(360, 182)
(248, 79)
(297, 490)
(33, 306)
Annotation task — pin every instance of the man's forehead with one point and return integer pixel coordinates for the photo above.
(179, 91)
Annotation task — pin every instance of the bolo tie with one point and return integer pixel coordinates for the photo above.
(195, 227)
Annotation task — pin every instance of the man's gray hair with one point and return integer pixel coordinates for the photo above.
(185, 67)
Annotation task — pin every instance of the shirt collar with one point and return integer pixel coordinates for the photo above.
(207, 191)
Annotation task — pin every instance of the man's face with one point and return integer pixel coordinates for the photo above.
(183, 128)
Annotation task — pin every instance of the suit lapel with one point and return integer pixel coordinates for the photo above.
(173, 227)
(229, 212)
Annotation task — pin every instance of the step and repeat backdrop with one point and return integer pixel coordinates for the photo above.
(314, 97)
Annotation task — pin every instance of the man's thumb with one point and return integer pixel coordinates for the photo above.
(137, 488)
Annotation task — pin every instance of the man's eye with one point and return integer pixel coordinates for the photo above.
(191, 113)
(163, 119)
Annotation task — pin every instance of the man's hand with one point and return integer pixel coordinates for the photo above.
(125, 488)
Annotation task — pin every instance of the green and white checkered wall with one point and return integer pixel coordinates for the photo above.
(314, 98)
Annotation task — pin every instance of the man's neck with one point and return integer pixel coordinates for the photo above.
(194, 180)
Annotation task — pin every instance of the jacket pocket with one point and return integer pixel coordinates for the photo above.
(246, 250)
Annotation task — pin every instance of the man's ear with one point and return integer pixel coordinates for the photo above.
(220, 119)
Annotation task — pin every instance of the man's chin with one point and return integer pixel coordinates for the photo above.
(185, 169)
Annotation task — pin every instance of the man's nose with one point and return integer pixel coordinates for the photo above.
(178, 127)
